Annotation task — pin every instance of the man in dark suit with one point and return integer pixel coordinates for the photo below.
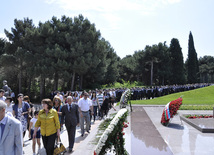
(70, 117)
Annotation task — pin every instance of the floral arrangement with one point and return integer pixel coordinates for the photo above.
(126, 96)
(170, 110)
(113, 135)
(198, 116)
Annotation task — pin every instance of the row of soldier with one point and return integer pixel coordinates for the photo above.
(141, 93)
(158, 91)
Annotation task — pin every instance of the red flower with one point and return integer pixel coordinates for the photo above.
(125, 125)
(95, 153)
(123, 133)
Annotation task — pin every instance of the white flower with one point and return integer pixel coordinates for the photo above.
(108, 131)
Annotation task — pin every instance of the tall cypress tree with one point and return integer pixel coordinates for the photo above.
(192, 62)
(176, 61)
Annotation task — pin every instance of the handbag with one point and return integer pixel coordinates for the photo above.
(59, 148)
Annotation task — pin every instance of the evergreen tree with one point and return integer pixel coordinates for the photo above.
(163, 66)
(192, 62)
(206, 69)
(2, 46)
(16, 48)
(176, 63)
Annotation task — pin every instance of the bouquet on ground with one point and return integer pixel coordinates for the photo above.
(170, 110)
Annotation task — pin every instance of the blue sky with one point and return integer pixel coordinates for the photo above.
(129, 25)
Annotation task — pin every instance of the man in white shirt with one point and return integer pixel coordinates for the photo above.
(84, 105)
(59, 95)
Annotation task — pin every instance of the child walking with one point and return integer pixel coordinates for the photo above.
(31, 131)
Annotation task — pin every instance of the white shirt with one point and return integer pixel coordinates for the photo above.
(60, 96)
(10, 108)
(69, 105)
(33, 120)
(84, 105)
(3, 98)
(12, 94)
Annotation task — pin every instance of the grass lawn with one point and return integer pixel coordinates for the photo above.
(202, 96)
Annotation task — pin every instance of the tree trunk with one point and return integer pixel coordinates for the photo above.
(63, 84)
(29, 86)
(151, 73)
(56, 81)
(163, 81)
(81, 79)
(73, 78)
(42, 85)
(20, 80)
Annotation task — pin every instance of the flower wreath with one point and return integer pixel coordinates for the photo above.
(170, 110)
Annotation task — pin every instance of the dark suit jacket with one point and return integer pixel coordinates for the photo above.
(70, 117)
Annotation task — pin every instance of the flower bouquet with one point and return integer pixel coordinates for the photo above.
(170, 110)
(126, 99)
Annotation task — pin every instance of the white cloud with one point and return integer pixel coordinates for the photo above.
(109, 12)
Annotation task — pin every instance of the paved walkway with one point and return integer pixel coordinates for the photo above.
(80, 145)
(146, 135)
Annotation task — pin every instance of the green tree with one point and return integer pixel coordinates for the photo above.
(151, 58)
(16, 47)
(192, 62)
(206, 69)
(127, 68)
(163, 66)
(112, 69)
(176, 63)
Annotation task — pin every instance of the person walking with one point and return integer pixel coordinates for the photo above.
(75, 97)
(31, 112)
(20, 112)
(48, 121)
(38, 134)
(100, 102)
(10, 133)
(9, 103)
(70, 117)
(57, 105)
(95, 104)
(84, 106)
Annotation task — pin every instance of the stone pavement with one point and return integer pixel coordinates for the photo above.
(179, 138)
(64, 138)
(82, 146)
(182, 138)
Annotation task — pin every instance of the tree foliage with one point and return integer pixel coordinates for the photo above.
(70, 54)
(192, 62)
(66, 53)
(176, 62)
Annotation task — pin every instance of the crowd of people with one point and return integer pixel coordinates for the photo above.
(71, 109)
(142, 93)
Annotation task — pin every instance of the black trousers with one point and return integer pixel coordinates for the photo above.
(48, 142)
(71, 135)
